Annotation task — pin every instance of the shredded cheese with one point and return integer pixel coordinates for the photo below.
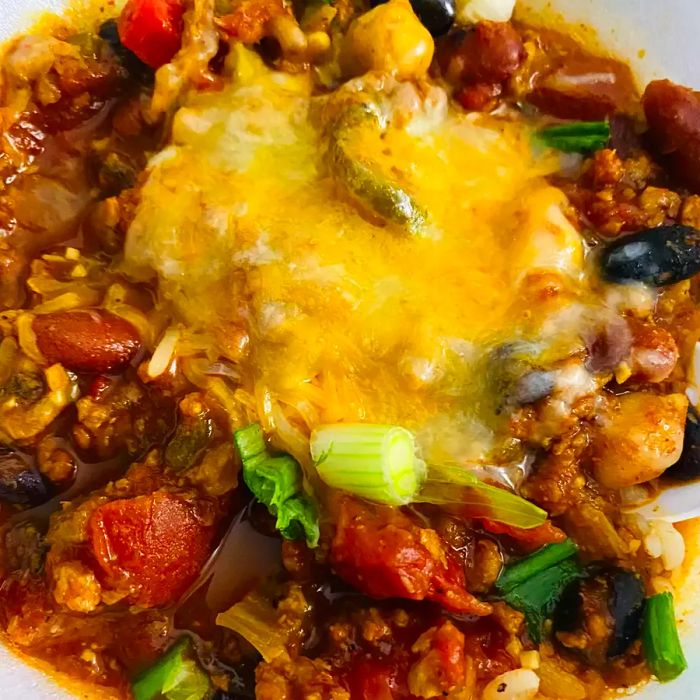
(349, 319)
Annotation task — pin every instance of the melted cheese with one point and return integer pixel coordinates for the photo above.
(349, 319)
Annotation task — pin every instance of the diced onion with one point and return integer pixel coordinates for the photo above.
(163, 354)
(27, 338)
(472, 11)
(69, 300)
(256, 621)
(521, 684)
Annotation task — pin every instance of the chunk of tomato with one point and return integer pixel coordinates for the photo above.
(441, 666)
(152, 29)
(151, 546)
(529, 539)
(384, 554)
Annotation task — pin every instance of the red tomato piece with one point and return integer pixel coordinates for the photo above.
(384, 554)
(153, 546)
(448, 643)
(528, 539)
(441, 665)
(152, 29)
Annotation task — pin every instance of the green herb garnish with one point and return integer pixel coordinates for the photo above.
(579, 137)
(276, 481)
(662, 646)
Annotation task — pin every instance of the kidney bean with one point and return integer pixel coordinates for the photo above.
(654, 352)
(584, 87)
(480, 97)
(86, 341)
(673, 114)
(491, 53)
(607, 345)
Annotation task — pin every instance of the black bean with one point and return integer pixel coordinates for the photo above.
(515, 376)
(657, 256)
(19, 482)
(626, 607)
(437, 16)
(613, 594)
(533, 386)
(109, 33)
(687, 467)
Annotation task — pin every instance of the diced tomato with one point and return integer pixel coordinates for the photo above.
(448, 642)
(152, 29)
(384, 554)
(153, 546)
(441, 667)
(528, 539)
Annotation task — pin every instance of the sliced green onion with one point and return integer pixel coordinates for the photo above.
(297, 519)
(188, 682)
(277, 483)
(535, 584)
(456, 486)
(509, 508)
(549, 555)
(174, 676)
(250, 442)
(453, 476)
(662, 646)
(579, 137)
(257, 621)
(376, 462)
(537, 597)
(379, 463)
(272, 480)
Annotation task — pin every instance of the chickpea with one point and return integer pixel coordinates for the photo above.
(389, 39)
(640, 440)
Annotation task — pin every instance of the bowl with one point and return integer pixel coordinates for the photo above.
(659, 40)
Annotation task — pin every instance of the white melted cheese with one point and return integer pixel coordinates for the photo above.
(348, 319)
